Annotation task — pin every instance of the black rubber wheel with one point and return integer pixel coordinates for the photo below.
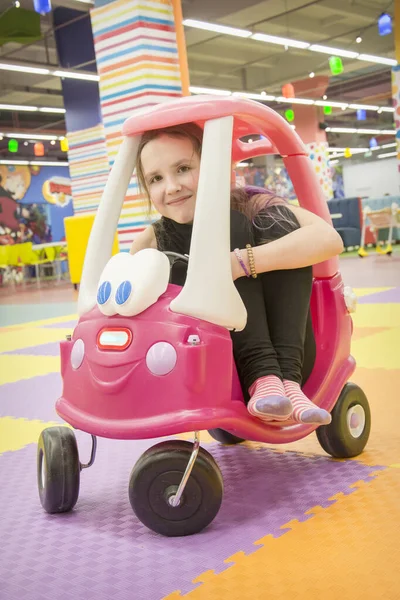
(58, 469)
(224, 437)
(348, 433)
(156, 477)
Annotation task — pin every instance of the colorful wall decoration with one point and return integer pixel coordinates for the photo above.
(318, 152)
(33, 203)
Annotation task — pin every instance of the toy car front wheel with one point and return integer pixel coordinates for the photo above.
(348, 433)
(224, 437)
(155, 480)
(58, 469)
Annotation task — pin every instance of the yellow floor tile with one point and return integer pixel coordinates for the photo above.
(17, 433)
(367, 291)
(49, 321)
(378, 315)
(14, 367)
(378, 351)
(30, 336)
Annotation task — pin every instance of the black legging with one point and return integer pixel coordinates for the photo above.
(278, 337)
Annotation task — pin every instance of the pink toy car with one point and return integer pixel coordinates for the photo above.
(150, 359)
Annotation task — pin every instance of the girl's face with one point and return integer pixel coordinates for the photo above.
(171, 169)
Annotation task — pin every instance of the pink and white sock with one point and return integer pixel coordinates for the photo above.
(268, 400)
(304, 411)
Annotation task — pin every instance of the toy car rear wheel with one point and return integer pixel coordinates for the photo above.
(58, 469)
(155, 480)
(348, 433)
(224, 437)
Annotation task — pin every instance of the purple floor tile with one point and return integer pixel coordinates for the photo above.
(101, 550)
(49, 349)
(31, 398)
(389, 296)
(63, 325)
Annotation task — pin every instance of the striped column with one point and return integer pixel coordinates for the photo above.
(88, 166)
(139, 65)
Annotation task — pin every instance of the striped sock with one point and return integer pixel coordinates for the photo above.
(268, 401)
(304, 411)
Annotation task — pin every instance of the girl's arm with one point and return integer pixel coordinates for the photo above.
(145, 239)
(314, 242)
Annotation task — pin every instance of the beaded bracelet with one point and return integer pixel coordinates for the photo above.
(241, 262)
(251, 261)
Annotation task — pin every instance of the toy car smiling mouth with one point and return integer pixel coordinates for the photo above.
(150, 359)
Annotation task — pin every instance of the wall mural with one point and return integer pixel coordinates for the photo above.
(33, 203)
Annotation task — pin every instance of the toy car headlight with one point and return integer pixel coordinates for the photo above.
(114, 338)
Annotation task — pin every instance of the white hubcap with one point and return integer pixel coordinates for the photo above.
(356, 420)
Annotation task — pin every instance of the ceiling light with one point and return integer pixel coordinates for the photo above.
(353, 150)
(217, 28)
(378, 59)
(251, 96)
(37, 163)
(333, 104)
(72, 75)
(311, 75)
(24, 69)
(324, 97)
(394, 145)
(202, 90)
(281, 41)
(333, 51)
(387, 154)
(360, 131)
(20, 107)
(358, 40)
(363, 106)
(295, 100)
(30, 136)
(333, 162)
(26, 143)
(382, 109)
(14, 162)
(387, 132)
(52, 142)
(48, 109)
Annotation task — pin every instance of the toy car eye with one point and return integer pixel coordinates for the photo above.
(123, 292)
(104, 292)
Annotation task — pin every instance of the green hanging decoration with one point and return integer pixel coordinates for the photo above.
(336, 65)
(13, 146)
(327, 110)
(289, 114)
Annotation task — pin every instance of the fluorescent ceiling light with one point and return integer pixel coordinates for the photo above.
(333, 162)
(48, 109)
(364, 106)
(202, 90)
(19, 107)
(333, 51)
(360, 131)
(27, 108)
(378, 59)
(288, 42)
(261, 96)
(37, 163)
(72, 75)
(281, 41)
(333, 104)
(24, 69)
(387, 154)
(385, 109)
(353, 150)
(30, 136)
(295, 100)
(217, 28)
(394, 145)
